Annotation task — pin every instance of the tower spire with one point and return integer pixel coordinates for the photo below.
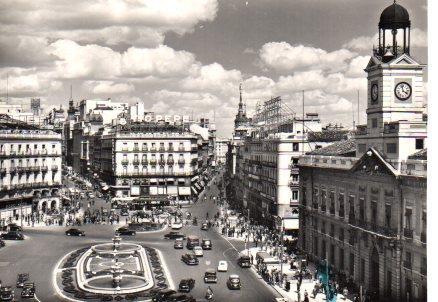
(240, 93)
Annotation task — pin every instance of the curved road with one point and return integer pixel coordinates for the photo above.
(45, 246)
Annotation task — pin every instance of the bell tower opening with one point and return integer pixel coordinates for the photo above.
(394, 33)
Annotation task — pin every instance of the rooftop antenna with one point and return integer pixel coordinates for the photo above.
(352, 111)
(303, 126)
(358, 107)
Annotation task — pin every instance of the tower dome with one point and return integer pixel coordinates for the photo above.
(394, 16)
(395, 20)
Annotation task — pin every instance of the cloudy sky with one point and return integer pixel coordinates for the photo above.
(189, 56)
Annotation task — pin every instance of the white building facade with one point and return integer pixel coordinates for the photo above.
(30, 170)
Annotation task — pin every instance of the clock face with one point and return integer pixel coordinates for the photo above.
(374, 93)
(403, 91)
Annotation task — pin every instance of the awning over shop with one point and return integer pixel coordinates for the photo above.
(153, 180)
(197, 186)
(153, 190)
(291, 224)
(181, 180)
(195, 177)
(172, 190)
(195, 191)
(184, 191)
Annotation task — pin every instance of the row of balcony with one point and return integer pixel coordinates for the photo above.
(28, 169)
(154, 173)
(154, 161)
(28, 153)
(29, 185)
(372, 227)
(160, 149)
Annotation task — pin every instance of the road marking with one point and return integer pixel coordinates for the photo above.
(36, 298)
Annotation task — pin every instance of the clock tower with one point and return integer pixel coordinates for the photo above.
(395, 123)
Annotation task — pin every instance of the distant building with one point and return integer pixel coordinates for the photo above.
(150, 159)
(363, 200)
(30, 170)
(220, 150)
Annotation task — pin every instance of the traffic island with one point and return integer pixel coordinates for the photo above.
(111, 272)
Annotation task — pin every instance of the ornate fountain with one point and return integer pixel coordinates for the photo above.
(114, 268)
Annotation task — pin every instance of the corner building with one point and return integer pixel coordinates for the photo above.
(366, 213)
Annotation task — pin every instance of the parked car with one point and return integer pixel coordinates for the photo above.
(21, 279)
(179, 297)
(204, 226)
(210, 276)
(2, 243)
(234, 282)
(190, 259)
(206, 244)
(176, 225)
(28, 290)
(12, 235)
(174, 235)
(12, 227)
(124, 212)
(222, 266)
(179, 244)
(6, 293)
(124, 231)
(186, 285)
(161, 296)
(244, 261)
(75, 232)
(197, 250)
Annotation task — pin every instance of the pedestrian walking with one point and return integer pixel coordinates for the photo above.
(306, 296)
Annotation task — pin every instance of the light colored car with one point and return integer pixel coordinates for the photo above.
(197, 250)
(177, 225)
(222, 266)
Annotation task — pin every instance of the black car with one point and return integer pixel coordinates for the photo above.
(234, 282)
(190, 259)
(28, 290)
(174, 235)
(2, 243)
(244, 261)
(21, 279)
(75, 232)
(6, 293)
(178, 297)
(12, 227)
(210, 276)
(124, 231)
(186, 285)
(206, 244)
(124, 212)
(178, 244)
(204, 226)
(12, 235)
(162, 295)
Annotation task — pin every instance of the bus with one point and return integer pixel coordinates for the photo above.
(192, 241)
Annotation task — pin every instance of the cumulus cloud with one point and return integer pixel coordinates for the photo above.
(285, 57)
(95, 61)
(111, 22)
(109, 87)
(212, 77)
(162, 61)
